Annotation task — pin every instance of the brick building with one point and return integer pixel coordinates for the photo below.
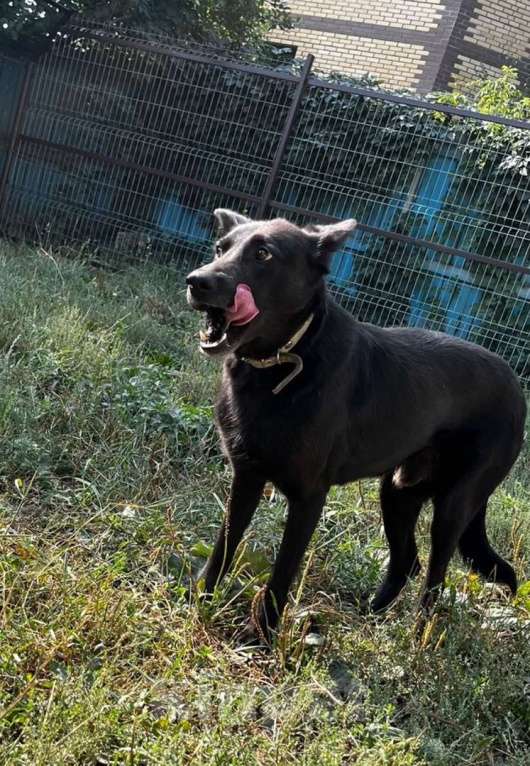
(423, 45)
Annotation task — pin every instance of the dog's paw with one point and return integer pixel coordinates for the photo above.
(249, 638)
(362, 601)
(385, 596)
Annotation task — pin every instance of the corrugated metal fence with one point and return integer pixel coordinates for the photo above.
(128, 145)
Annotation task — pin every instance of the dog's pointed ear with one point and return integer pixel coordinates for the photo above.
(226, 220)
(329, 237)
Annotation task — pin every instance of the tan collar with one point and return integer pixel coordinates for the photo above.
(283, 356)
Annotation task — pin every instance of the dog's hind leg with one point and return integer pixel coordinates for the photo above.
(400, 509)
(454, 510)
(476, 551)
(460, 510)
(245, 495)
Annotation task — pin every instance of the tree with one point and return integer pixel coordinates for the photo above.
(501, 95)
(28, 27)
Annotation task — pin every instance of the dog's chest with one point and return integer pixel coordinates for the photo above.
(249, 427)
(264, 429)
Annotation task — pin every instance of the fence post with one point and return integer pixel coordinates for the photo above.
(15, 132)
(287, 128)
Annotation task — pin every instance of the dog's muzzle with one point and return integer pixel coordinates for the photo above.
(221, 316)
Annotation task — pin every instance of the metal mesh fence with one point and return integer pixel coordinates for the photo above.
(11, 74)
(130, 148)
(434, 179)
(126, 146)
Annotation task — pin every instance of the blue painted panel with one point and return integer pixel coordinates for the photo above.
(175, 218)
(450, 289)
(343, 267)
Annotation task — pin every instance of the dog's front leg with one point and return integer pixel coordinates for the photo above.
(245, 495)
(302, 518)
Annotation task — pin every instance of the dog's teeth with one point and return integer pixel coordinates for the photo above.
(203, 336)
(214, 344)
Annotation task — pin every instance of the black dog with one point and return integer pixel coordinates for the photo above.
(311, 398)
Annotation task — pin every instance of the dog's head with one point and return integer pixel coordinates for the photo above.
(264, 275)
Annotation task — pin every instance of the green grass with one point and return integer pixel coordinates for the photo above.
(111, 487)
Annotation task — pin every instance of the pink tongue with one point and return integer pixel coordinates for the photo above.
(243, 309)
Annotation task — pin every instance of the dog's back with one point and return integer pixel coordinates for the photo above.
(417, 384)
(369, 398)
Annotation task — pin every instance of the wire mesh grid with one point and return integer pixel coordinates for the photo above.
(446, 179)
(433, 178)
(109, 209)
(127, 148)
(9, 82)
(124, 148)
(163, 98)
(423, 289)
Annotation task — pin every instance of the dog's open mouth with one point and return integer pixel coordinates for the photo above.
(214, 333)
(216, 337)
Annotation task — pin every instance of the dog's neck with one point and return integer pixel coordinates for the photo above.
(287, 328)
(289, 351)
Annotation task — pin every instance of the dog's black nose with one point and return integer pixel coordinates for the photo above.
(200, 282)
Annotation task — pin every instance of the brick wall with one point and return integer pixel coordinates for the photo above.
(502, 26)
(397, 65)
(466, 69)
(421, 45)
(410, 14)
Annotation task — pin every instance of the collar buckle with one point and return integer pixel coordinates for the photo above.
(283, 356)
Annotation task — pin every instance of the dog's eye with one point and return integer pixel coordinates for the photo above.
(263, 254)
(218, 251)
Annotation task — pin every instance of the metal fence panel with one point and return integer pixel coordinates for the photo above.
(126, 146)
(443, 183)
(129, 149)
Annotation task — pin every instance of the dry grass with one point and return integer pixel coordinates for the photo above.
(111, 489)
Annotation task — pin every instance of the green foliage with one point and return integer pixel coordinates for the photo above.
(73, 378)
(496, 95)
(30, 27)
